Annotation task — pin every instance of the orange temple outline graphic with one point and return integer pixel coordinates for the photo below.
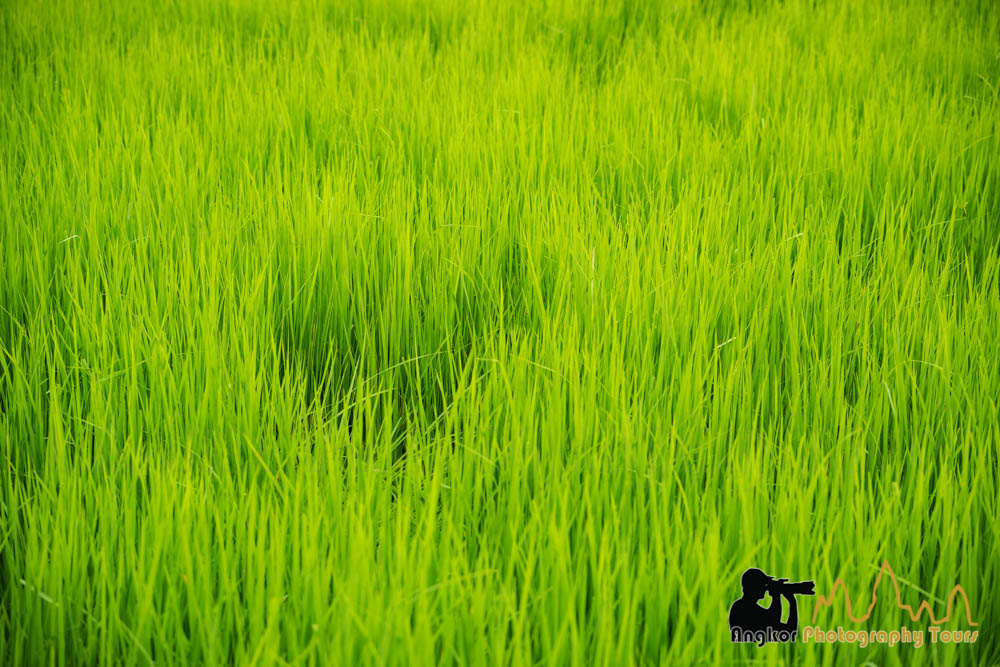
(828, 600)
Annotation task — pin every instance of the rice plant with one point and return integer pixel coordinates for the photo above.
(487, 332)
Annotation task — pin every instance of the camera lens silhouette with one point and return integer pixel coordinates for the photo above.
(784, 587)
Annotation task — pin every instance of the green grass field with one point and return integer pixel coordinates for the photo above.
(474, 332)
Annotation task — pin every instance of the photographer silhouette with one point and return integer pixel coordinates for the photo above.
(748, 616)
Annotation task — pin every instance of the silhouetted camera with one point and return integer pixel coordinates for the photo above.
(783, 587)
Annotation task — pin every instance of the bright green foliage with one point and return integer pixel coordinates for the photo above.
(379, 332)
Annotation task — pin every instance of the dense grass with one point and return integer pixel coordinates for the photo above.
(386, 332)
